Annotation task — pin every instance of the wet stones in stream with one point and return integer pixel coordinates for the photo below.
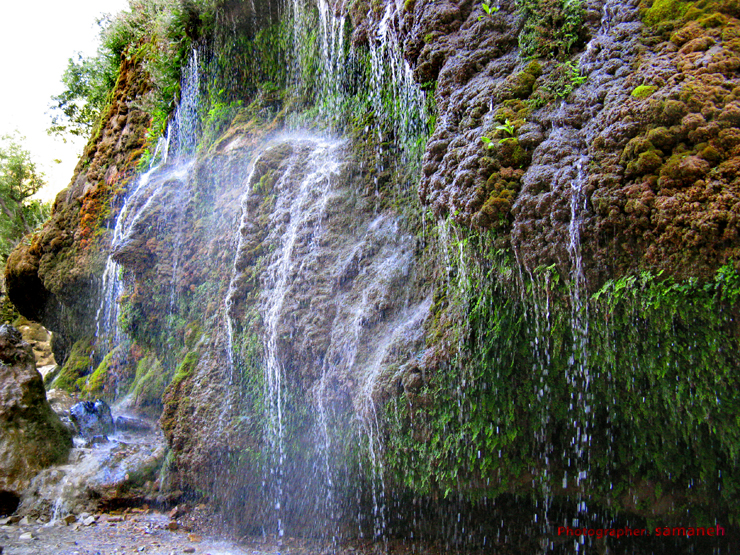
(122, 469)
(92, 419)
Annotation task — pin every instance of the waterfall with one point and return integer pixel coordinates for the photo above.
(331, 299)
(185, 126)
(107, 315)
(179, 141)
(392, 81)
(306, 208)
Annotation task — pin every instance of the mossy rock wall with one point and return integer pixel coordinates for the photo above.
(53, 276)
(657, 170)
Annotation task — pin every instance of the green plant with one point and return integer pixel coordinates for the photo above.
(157, 32)
(575, 74)
(551, 27)
(508, 128)
(660, 355)
(564, 80)
(19, 181)
(488, 8)
(87, 83)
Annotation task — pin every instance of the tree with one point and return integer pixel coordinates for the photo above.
(19, 181)
(87, 82)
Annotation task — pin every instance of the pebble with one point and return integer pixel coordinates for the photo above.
(173, 525)
(26, 536)
(189, 550)
(69, 519)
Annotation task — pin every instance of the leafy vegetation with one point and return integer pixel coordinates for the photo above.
(87, 83)
(655, 378)
(488, 8)
(565, 78)
(160, 31)
(19, 181)
(551, 27)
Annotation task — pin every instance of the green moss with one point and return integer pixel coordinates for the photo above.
(147, 472)
(665, 10)
(77, 366)
(522, 84)
(643, 91)
(96, 381)
(193, 333)
(186, 368)
(648, 162)
(552, 28)
(149, 384)
(114, 374)
(713, 20)
(661, 137)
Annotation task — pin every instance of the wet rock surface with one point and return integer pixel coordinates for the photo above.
(32, 437)
(122, 468)
(117, 533)
(131, 424)
(39, 338)
(92, 418)
(333, 280)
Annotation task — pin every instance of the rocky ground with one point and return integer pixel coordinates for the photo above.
(144, 530)
(130, 531)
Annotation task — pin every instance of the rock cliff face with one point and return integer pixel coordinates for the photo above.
(640, 118)
(31, 435)
(498, 255)
(53, 279)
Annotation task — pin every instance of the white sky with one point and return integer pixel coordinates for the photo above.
(37, 38)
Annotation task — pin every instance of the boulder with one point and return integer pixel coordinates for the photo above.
(32, 437)
(92, 419)
(39, 338)
(61, 402)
